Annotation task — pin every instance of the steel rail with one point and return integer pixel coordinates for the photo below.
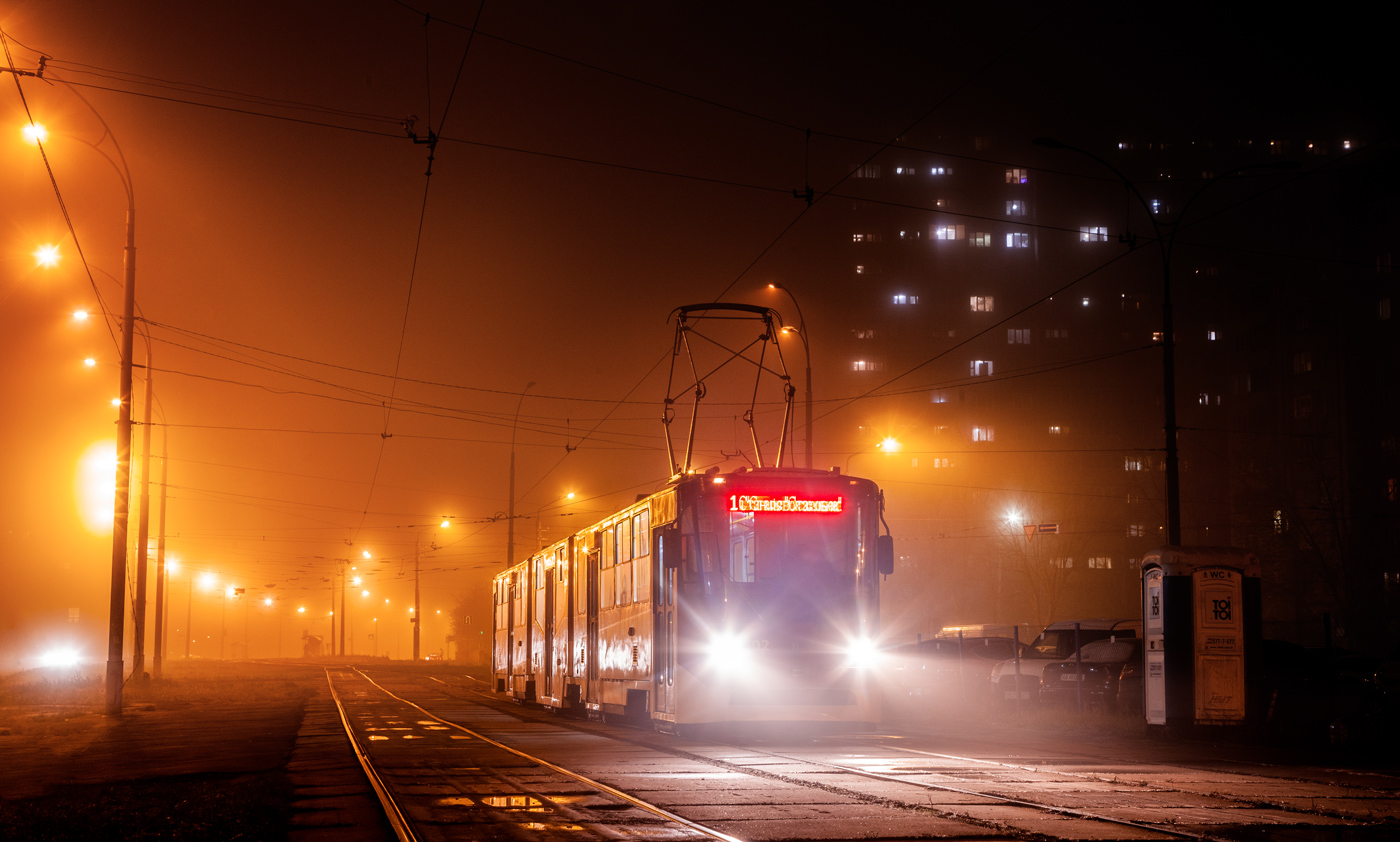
(397, 820)
(613, 791)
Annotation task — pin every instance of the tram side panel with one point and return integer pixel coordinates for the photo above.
(521, 683)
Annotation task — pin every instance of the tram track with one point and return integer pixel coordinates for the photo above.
(979, 789)
(411, 803)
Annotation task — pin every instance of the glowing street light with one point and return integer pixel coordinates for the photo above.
(365, 553)
(35, 133)
(889, 444)
(355, 581)
(364, 593)
(301, 609)
(117, 402)
(80, 315)
(267, 600)
(89, 362)
(47, 256)
(207, 581)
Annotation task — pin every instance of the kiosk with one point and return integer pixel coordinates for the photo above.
(1201, 618)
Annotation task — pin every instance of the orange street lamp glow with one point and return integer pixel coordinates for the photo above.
(171, 565)
(355, 581)
(47, 256)
(206, 581)
(80, 315)
(365, 553)
(301, 609)
(35, 133)
(364, 593)
(267, 601)
(446, 523)
(890, 444)
(116, 401)
(89, 362)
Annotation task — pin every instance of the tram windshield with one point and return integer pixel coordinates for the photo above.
(793, 570)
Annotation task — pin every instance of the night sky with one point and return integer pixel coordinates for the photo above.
(597, 167)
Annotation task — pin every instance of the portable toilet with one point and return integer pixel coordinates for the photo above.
(1202, 626)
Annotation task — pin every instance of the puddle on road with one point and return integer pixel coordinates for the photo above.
(460, 737)
(377, 737)
(436, 728)
(551, 826)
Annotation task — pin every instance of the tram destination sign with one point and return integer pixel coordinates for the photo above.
(790, 503)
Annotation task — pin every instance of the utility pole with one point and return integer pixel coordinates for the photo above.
(331, 642)
(143, 533)
(416, 553)
(345, 613)
(162, 589)
(189, 610)
(116, 616)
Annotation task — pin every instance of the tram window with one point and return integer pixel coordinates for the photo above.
(624, 540)
(606, 539)
(624, 583)
(641, 580)
(741, 557)
(641, 533)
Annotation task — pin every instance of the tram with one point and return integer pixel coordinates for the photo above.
(749, 596)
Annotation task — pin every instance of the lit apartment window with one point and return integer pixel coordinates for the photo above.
(1017, 240)
(1210, 336)
(1017, 175)
(867, 365)
(1156, 336)
(867, 171)
(937, 171)
(1132, 463)
(1084, 301)
(1016, 208)
(943, 463)
(904, 171)
(1159, 206)
(1101, 563)
(860, 269)
(980, 239)
(948, 232)
(938, 396)
(865, 238)
(980, 368)
(1018, 336)
(1063, 563)
(1093, 234)
(901, 298)
(865, 334)
(1205, 399)
(1302, 362)
(983, 434)
(1054, 430)
(1056, 333)
(982, 304)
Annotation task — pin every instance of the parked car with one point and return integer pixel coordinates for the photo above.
(1099, 677)
(1054, 644)
(946, 668)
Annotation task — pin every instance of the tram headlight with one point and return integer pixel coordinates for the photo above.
(729, 653)
(861, 653)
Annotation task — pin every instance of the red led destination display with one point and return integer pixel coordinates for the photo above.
(786, 503)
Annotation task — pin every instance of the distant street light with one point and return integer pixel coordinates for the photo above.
(539, 542)
(417, 553)
(90, 362)
(80, 315)
(35, 133)
(1165, 241)
(47, 256)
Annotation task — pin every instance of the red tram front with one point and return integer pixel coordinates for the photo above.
(749, 596)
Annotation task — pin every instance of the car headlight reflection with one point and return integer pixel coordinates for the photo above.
(60, 658)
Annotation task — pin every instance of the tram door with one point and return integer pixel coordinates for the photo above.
(664, 626)
(548, 664)
(595, 689)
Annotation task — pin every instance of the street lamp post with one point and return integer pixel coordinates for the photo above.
(510, 508)
(417, 551)
(1164, 245)
(143, 534)
(807, 349)
(162, 573)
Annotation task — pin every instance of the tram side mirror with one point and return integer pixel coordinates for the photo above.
(884, 554)
(668, 541)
